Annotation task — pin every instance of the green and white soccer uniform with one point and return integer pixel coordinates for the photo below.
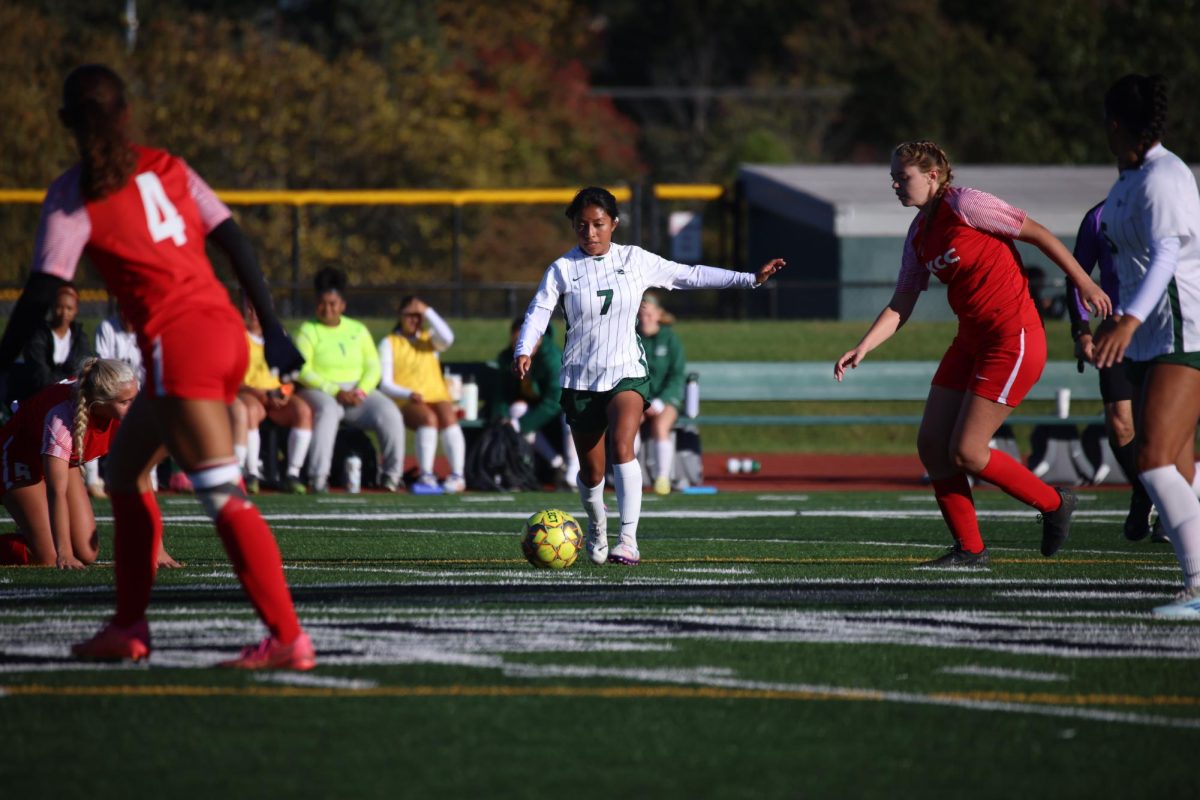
(1156, 202)
(600, 296)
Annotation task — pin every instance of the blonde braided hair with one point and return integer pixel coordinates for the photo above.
(100, 380)
(925, 155)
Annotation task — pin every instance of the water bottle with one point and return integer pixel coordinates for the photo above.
(353, 473)
(691, 396)
(470, 399)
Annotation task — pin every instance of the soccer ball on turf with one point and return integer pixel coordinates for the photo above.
(552, 539)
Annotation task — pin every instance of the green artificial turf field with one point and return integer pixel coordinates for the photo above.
(770, 645)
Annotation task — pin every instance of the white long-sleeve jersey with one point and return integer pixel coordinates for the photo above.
(600, 296)
(1145, 209)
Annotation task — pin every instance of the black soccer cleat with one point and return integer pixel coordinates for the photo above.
(957, 557)
(1137, 522)
(1159, 534)
(1056, 524)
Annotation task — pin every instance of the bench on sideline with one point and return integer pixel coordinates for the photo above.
(747, 381)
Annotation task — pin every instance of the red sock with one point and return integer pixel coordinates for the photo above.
(13, 552)
(138, 535)
(1017, 481)
(255, 557)
(958, 509)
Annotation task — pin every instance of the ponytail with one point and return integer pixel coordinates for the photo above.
(94, 109)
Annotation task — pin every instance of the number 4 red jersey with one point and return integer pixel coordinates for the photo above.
(968, 244)
(146, 239)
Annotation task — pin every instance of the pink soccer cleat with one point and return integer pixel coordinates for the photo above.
(270, 653)
(116, 643)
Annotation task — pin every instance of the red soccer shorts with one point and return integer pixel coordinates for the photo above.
(998, 367)
(198, 355)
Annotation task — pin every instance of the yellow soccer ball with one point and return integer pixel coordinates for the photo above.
(552, 539)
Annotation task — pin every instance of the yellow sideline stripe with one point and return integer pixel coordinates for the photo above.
(597, 692)
(358, 197)
(86, 295)
(688, 191)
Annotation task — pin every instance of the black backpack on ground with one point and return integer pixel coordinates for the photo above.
(501, 461)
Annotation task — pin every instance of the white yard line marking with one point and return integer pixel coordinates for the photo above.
(325, 682)
(975, 670)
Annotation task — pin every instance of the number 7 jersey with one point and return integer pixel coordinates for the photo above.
(600, 297)
(146, 239)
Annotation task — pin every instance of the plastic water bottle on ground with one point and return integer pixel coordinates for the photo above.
(353, 473)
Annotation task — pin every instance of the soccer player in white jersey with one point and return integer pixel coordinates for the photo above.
(1151, 220)
(599, 286)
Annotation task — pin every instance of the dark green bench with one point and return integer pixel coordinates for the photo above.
(746, 381)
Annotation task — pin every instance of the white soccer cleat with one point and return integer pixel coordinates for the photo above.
(1186, 605)
(625, 554)
(596, 545)
(454, 484)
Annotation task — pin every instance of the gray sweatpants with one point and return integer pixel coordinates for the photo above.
(376, 413)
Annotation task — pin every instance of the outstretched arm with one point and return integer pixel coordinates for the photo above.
(1090, 294)
(702, 277)
(894, 315)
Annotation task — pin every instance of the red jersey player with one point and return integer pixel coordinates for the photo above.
(41, 449)
(965, 238)
(142, 216)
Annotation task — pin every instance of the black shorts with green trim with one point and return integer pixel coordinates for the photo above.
(1138, 370)
(587, 412)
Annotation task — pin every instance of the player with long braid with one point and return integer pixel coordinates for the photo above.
(142, 216)
(1151, 221)
(41, 450)
(965, 238)
(604, 375)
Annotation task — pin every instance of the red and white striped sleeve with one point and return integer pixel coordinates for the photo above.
(57, 440)
(63, 230)
(212, 211)
(913, 277)
(986, 212)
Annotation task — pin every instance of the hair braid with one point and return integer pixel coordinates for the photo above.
(84, 387)
(926, 155)
(1156, 127)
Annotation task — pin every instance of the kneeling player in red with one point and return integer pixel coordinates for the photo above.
(965, 238)
(142, 216)
(42, 449)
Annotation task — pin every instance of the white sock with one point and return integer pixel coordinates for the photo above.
(628, 480)
(570, 454)
(664, 456)
(91, 472)
(253, 447)
(1179, 509)
(426, 448)
(239, 452)
(592, 498)
(455, 446)
(298, 441)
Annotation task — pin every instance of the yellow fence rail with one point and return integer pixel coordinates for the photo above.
(455, 199)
